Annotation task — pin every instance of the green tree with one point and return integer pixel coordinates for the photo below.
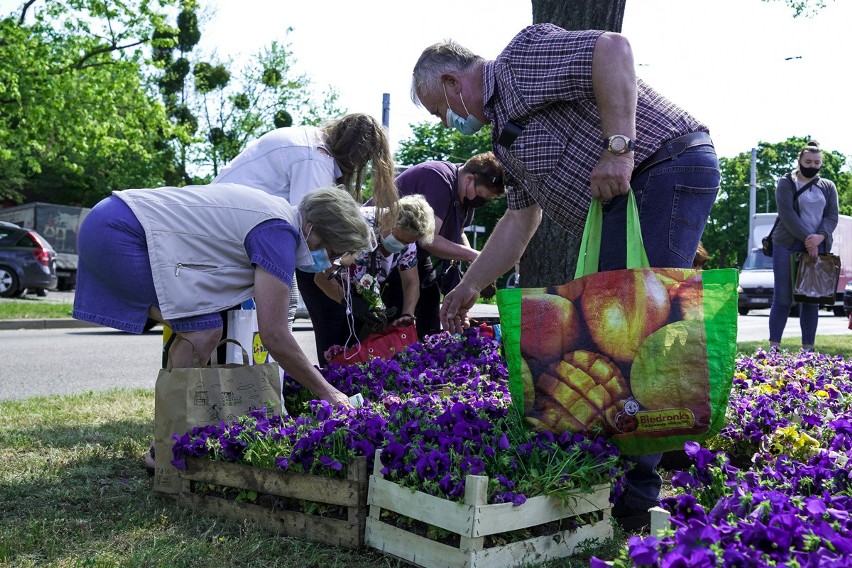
(726, 234)
(431, 141)
(76, 120)
(215, 112)
(263, 96)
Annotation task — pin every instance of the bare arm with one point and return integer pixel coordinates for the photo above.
(445, 248)
(614, 83)
(503, 249)
(410, 289)
(332, 288)
(272, 299)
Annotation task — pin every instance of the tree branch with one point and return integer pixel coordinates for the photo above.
(81, 63)
(24, 10)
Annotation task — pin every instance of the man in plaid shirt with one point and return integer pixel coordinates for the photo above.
(571, 121)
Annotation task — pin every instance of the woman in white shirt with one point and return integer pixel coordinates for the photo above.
(290, 162)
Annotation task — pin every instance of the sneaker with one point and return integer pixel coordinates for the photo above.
(631, 519)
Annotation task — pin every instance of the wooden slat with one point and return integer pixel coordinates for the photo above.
(539, 549)
(660, 520)
(505, 517)
(357, 513)
(475, 494)
(291, 523)
(411, 547)
(344, 492)
(448, 515)
(430, 554)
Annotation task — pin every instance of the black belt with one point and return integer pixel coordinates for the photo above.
(674, 148)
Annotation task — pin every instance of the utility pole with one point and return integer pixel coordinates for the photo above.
(386, 110)
(752, 199)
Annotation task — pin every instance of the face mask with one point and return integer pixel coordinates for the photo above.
(467, 126)
(808, 172)
(392, 244)
(321, 262)
(475, 202)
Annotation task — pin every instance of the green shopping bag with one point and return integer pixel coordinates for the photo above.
(644, 356)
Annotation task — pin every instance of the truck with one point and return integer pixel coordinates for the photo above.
(59, 225)
(756, 280)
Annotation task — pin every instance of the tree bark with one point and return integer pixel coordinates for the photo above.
(551, 257)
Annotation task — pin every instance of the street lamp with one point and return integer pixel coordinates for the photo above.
(766, 189)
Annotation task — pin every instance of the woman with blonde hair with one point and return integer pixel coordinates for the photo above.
(357, 287)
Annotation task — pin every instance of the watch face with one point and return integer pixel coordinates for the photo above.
(619, 144)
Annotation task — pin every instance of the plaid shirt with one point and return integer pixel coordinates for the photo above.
(542, 81)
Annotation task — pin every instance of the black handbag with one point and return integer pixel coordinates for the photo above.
(448, 274)
(766, 243)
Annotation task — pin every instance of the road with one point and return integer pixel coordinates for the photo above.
(75, 360)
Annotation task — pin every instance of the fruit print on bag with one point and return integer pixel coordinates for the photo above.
(594, 348)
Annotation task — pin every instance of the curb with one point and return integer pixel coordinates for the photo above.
(53, 323)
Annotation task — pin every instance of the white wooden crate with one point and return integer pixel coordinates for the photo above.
(474, 520)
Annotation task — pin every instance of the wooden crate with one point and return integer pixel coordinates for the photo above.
(474, 520)
(350, 493)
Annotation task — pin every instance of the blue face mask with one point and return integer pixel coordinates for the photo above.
(321, 262)
(392, 244)
(467, 126)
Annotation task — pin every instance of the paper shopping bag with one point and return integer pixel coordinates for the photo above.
(644, 356)
(382, 344)
(200, 396)
(241, 326)
(816, 279)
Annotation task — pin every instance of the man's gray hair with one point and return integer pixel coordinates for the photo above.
(336, 218)
(436, 60)
(417, 216)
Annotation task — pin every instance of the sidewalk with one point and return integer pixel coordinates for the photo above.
(53, 323)
(478, 311)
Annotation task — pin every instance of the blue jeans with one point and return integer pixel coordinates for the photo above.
(782, 296)
(674, 199)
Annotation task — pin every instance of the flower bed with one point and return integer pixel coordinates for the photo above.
(789, 501)
(438, 412)
(432, 531)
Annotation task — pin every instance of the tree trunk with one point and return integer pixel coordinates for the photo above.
(551, 257)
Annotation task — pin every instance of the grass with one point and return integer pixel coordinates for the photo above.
(828, 344)
(73, 493)
(33, 309)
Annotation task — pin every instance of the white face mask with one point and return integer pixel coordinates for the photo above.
(392, 244)
(467, 126)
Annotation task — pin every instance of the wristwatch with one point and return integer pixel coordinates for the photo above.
(619, 144)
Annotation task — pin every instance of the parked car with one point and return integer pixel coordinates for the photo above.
(756, 284)
(27, 261)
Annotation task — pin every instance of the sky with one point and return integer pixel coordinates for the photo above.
(746, 68)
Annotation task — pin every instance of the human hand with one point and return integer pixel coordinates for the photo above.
(361, 310)
(404, 320)
(336, 398)
(813, 241)
(456, 306)
(611, 175)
